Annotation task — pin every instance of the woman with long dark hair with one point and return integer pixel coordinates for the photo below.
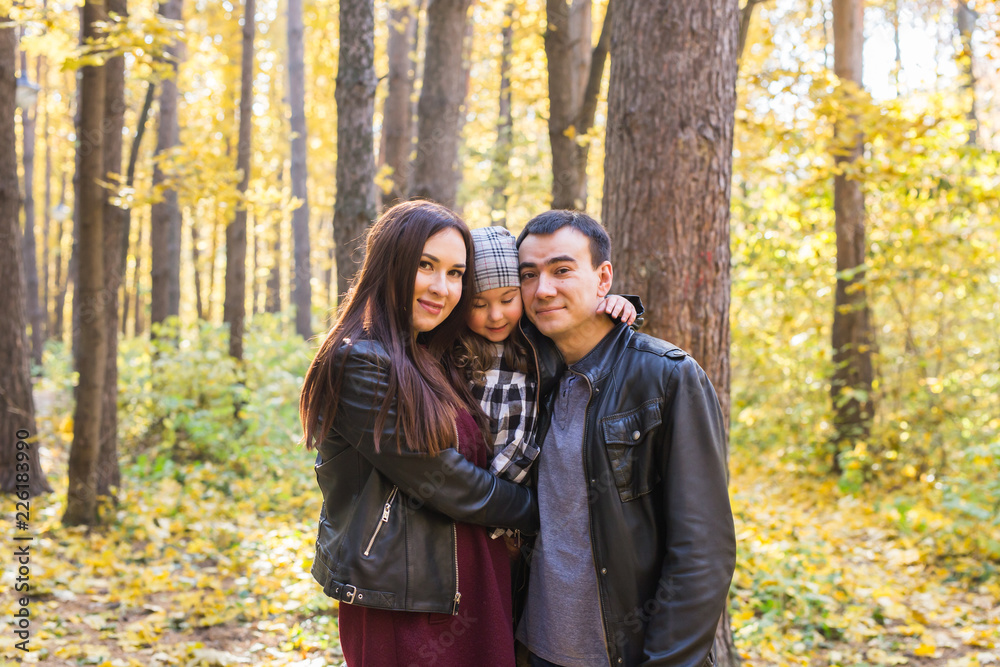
(401, 459)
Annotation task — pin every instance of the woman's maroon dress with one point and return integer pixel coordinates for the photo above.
(481, 633)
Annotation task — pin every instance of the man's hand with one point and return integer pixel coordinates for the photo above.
(617, 307)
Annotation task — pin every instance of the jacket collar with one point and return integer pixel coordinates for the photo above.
(598, 363)
(595, 365)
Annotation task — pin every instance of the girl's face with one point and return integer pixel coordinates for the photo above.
(438, 286)
(495, 313)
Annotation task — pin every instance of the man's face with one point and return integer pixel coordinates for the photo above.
(559, 285)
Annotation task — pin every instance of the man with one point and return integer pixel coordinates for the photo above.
(637, 547)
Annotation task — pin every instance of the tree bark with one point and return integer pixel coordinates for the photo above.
(108, 473)
(60, 283)
(397, 113)
(435, 169)
(34, 309)
(81, 501)
(668, 170)
(505, 124)
(165, 235)
(965, 21)
(234, 309)
(355, 96)
(299, 172)
(196, 261)
(17, 408)
(851, 385)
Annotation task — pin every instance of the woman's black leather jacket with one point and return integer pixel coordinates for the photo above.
(387, 527)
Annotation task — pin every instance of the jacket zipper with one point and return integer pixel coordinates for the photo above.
(454, 528)
(384, 520)
(590, 518)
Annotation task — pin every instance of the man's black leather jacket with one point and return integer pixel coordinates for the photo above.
(661, 526)
(387, 528)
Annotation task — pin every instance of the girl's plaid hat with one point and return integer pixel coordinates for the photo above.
(495, 251)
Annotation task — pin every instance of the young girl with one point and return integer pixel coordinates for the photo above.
(498, 360)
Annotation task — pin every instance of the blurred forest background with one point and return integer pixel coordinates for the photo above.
(181, 185)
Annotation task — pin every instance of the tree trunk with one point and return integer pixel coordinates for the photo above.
(17, 408)
(302, 282)
(435, 169)
(195, 262)
(133, 158)
(851, 386)
(34, 309)
(965, 20)
(575, 72)
(47, 203)
(397, 112)
(59, 283)
(165, 237)
(671, 107)
(746, 15)
(505, 124)
(272, 290)
(81, 501)
(234, 309)
(355, 96)
(108, 473)
(139, 325)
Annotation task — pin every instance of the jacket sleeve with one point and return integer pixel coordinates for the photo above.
(447, 481)
(701, 541)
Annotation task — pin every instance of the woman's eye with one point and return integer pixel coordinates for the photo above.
(507, 303)
(479, 305)
(424, 264)
(457, 273)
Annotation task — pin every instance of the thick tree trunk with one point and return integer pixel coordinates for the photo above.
(234, 309)
(165, 237)
(302, 281)
(505, 124)
(81, 501)
(34, 308)
(17, 408)
(851, 386)
(355, 96)
(108, 473)
(965, 21)
(668, 170)
(435, 172)
(397, 113)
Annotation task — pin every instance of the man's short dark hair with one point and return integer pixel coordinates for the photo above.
(552, 221)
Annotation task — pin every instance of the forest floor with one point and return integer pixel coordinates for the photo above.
(207, 564)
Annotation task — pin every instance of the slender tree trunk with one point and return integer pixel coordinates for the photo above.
(965, 20)
(81, 501)
(234, 310)
(196, 262)
(133, 158)
(746, 15)
(851, 386)
(575, 72)
(17, 409)
(34, 310)
(165, 237)
(47, 203)
(139, 325)
(108, 473)
(60, 284)
(302, 281)
(435, 169)
(668, 170)
(397, 114)
(505, 123)
(213, 253)
(355, 96)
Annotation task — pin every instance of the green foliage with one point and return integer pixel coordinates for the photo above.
(190, 400)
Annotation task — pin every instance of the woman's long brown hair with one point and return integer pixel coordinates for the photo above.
(378, 307)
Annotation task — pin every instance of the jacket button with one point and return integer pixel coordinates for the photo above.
(635, 435)
(604, 570)
(619, 661)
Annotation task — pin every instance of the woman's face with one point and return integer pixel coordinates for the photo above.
(495, 313)
(438, 286)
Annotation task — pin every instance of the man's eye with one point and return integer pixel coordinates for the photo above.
(527, 276)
